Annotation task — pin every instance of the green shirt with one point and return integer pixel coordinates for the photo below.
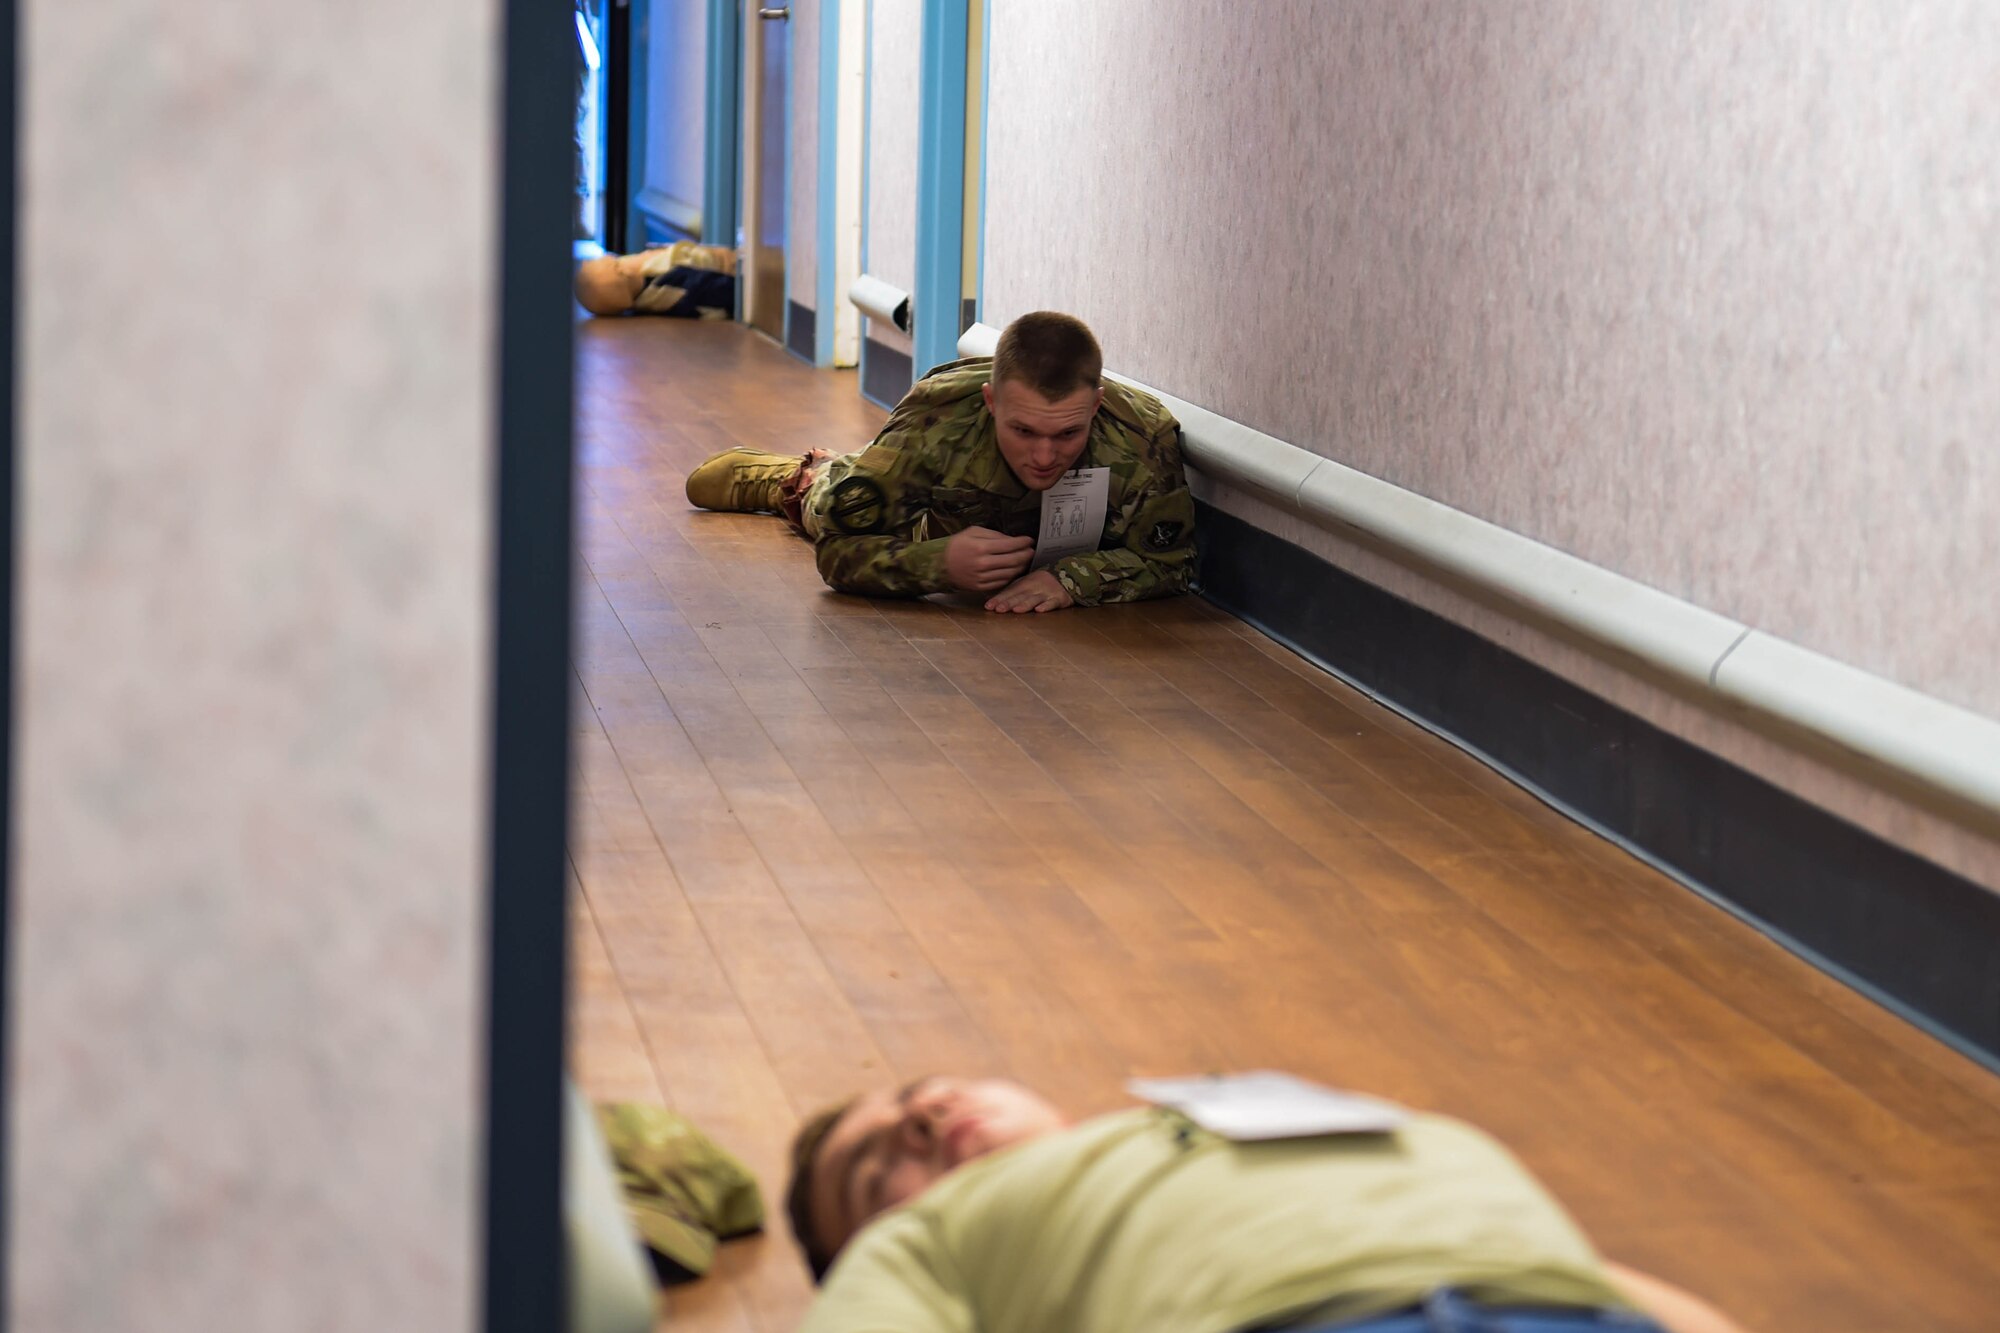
(879, 519)
(1141, 1223)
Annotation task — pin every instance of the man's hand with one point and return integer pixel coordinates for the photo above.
(1039, 591)
(980, 559)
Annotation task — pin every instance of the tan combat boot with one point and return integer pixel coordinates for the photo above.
(743, 481)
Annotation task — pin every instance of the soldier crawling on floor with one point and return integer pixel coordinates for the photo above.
(949, 495)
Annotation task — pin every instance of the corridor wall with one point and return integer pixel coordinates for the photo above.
(802, 188)
(669, 190)
(276, 360)
(889, 201)
(1704, 296)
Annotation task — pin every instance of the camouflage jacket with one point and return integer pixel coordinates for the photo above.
(880, 518)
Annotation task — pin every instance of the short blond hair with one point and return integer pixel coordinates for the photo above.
(1052, 353)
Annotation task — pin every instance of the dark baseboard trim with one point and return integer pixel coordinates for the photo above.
(802, 332)
(524, 1284)
(885, 373)
(1914, 936)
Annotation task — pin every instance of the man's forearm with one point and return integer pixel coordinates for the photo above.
(1100, 578)
(882, 566)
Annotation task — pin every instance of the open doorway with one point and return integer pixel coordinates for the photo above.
(766, 105)
(603, 31)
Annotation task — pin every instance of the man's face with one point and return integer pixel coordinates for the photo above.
(890, 1145)
(1040, 439)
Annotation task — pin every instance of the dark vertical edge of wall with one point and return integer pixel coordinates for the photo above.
(524, 1283)
(617, 197)
(886, 374)
(9, 195)
(801, 331)
(638, 84)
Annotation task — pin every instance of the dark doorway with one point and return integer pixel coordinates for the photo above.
(603, 40)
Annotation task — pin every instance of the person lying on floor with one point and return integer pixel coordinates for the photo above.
(949, 497)
(957, 1205)
(685, 280)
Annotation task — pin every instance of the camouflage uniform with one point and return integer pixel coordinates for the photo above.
(683, 1193)
(687, 279)
(879, 519)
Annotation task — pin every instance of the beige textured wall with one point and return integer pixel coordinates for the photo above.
(258, 305)
(890, 219)
(802, 190)
(1707, 294)
(676, 86)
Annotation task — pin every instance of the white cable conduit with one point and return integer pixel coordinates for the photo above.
(1942, 756)
(878, 300)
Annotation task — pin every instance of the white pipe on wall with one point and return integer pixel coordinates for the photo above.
(1945, 757)
(878, 300)
(979, 340)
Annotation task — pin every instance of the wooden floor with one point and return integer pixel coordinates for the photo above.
(823, 842)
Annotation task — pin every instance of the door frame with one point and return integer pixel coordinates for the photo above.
(937, 304)
(9, 198)
(977, 181)
(843, 74)
(638, 66)
(751, 173)
(722, 135)
(523, 1284)
(617, 115)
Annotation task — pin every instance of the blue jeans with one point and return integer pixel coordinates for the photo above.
(1447, 1311)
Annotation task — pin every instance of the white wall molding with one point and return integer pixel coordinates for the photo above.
(1937, 755)
(669, 211)
(880, 300)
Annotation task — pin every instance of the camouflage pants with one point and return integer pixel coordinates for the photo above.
(817, 470)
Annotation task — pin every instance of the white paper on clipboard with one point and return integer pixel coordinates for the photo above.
(1269, 1105)
(1073, 515)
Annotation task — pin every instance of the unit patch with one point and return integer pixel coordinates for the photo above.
(1164, 536)
(857, 506)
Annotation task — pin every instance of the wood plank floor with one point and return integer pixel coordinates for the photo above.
(822, 842)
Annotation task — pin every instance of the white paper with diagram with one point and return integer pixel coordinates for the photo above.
(1073, 513)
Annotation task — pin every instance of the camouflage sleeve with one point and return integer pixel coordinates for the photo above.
(1148, 548)
(862, 520)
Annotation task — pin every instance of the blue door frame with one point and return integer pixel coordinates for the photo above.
(937, 302)
(827, 290)
(722, 142)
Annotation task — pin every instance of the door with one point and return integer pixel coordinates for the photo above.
(589, 111)
(603, 120)
(766, 59)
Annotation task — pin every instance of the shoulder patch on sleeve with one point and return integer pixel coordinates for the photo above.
(1165, 535)
(857, 506)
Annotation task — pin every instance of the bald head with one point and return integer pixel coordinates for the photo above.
(607, 286)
